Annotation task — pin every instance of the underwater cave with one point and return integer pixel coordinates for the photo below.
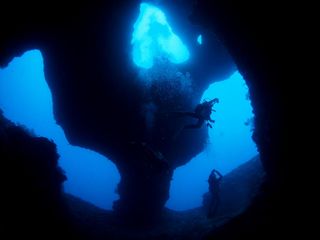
(114, 105)
(89, 175)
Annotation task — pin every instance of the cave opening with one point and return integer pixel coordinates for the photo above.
(229, 144)
(153, 37)
(26, 100)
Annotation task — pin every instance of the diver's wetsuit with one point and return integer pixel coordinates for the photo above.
(202, 113)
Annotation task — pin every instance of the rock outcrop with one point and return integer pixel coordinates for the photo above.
(31, 200)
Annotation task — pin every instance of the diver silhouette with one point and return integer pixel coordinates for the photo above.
(214, 189)
(202, 112)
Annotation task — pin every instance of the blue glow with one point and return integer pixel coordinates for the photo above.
(25, 98)
(153, 37)
(199, 39)
(230, 143)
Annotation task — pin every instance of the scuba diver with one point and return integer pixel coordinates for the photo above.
(202, 112)
(214, 189)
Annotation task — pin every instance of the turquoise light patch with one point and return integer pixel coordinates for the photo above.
(153, 37)
(199, 39)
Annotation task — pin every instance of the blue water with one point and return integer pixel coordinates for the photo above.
(152, 37)
(26, 99)
(230, 143)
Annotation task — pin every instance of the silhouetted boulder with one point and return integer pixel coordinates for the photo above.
(30, 182)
